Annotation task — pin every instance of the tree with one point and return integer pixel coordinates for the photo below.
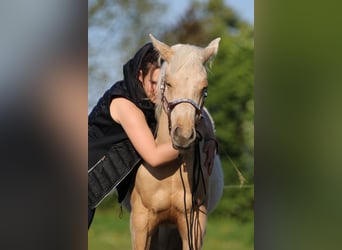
(116, 28)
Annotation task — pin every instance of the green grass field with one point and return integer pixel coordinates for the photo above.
(108, 231)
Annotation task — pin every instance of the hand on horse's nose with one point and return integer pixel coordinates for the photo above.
(182, 138)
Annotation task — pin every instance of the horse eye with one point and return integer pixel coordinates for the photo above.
(168, 84)
(205, 91)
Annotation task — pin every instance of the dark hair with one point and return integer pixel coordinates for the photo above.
(151, 58)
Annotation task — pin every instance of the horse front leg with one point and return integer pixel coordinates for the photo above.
(192, 230)
(141, 225)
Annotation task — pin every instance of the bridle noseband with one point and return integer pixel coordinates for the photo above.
(169, 106)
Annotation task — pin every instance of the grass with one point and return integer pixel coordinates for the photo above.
(108, 231)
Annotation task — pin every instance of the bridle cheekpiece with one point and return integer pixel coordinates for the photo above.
(169, 106)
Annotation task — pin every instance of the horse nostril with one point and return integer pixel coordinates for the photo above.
(177, 132)
(182, 137)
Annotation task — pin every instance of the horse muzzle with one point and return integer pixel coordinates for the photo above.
(182, 138)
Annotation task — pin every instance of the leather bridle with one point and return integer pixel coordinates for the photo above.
(169, 106)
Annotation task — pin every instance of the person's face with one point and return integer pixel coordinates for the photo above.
(149, 83)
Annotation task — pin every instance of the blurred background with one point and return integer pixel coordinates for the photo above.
(117, 29)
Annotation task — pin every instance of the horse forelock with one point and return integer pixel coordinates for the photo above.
(185, 56)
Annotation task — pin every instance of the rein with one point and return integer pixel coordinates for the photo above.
(197, 173)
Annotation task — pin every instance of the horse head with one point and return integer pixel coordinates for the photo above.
(183, 87)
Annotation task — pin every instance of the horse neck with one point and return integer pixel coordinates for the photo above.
(163, 135)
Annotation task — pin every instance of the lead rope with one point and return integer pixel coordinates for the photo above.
(186, 217)
(197, 175)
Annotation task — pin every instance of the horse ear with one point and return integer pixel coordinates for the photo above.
(164, 50)
(211, 49)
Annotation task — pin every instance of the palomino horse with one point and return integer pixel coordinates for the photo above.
(179, 194)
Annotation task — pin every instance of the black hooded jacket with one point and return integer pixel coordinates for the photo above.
(103, 131)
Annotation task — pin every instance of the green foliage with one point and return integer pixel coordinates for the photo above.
(108, 231)
(132, 19)
(236, 203)
(231, 102)
(110, 201)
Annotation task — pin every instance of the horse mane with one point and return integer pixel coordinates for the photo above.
(158, 107)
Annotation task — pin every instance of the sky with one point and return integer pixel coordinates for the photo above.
(245, 8)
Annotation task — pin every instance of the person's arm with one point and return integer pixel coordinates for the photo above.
(132, 119)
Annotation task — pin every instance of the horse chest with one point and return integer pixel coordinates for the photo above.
(163, 192)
